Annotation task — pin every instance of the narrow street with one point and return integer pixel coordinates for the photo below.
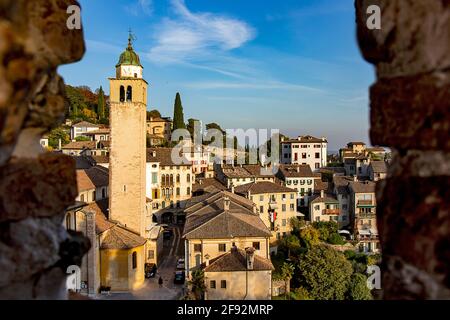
(173, 250)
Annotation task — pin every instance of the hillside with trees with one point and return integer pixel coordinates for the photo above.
(86, 105)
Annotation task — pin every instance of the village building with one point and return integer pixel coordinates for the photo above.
(276, 205)
(305, 150)
(377, 170)
(216, 224)
(81, 128)
(159, 130)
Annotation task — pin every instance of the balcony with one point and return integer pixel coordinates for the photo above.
(365, 203)
(331, 211)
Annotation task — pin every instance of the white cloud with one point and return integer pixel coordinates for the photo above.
(195, 35)
(140, 6)
(267, 85)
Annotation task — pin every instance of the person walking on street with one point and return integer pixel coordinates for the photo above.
(160, 281)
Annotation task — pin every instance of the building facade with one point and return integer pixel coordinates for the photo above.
(305, 150)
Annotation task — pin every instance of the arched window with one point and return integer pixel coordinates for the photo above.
(178, 178)
(129, 94)
(171, 179)
(122, 93)
(162, 179)
(134, 260)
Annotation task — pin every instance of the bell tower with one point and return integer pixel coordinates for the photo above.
(128, 105)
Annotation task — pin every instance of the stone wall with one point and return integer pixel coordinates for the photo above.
(410, 112)
(35, 187)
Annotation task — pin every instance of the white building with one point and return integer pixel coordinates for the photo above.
(81, 128)
(305, 150)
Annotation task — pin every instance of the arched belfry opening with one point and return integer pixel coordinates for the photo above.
(129, 94)
(122, 93)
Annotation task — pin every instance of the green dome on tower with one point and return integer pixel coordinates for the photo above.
(129, 57)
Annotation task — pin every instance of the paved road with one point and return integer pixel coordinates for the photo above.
(173, 249)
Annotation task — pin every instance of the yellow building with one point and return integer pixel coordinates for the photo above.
(276, 205)
(159, 130)
(238, 275)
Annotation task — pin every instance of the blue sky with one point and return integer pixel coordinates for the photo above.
(292, 65)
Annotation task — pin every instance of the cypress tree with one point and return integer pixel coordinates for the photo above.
(178, 116)
(101, 104)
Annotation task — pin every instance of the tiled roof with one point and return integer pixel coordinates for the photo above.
(164, 157)
(320, 185)
(363, 187)
(206, 218)
(99, 131)
(341, 184)
(101, 212)
(305, 139)
(82, 162)
(100, 159)
(235, 172)
(94, 177)
(258, 171)
(236, 260)
(204, 184)
(326, 198)
(356, 143)
(80, 145)
(378, 166)
(262, 187)
(376, 149)
(119, 237)
(296, 171)
(85, 124)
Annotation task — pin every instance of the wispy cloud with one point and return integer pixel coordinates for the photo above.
(140, 7)
(191, 35)
(249, 85)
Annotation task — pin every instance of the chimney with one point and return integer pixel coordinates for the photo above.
(322, 193)
(226, 204)
(250, 257)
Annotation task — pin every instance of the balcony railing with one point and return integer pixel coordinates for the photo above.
(331, 211)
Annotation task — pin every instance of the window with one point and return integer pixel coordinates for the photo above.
(129, 94)
(317, 166)
(178, 178)
(304, 155)
(154, 177)
(295, 156)
(292, 207)
(223, 284)
(122, 93)
(283, 207)
(188, 191)
(151, 254)
(82, 198)
(188, 178)
(317, 155)
(292, 196)
(178, 191)
(135, 75)
(261, 209)
(198, 247)
(93, 195)
(222, 247)
(134, 260)
(212, 284)
(283, 222)
(261, 198)
(256, 245)
(283, 196)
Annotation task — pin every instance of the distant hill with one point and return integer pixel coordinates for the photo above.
(84, 105)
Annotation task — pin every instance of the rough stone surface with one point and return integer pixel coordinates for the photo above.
(35, 187)
(414, 36)
(28, 185)
(410, 112)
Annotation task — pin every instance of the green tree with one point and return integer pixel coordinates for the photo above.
(191, 127)
(301, 294)
(326, 229)
(82, 138)
(55, 135)
(287, 271)
(178, 116)
(153, 114)
(309, 236)
(101, 104)
(291, 243)
(197, 284)
(325, 273)
(358, 289)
